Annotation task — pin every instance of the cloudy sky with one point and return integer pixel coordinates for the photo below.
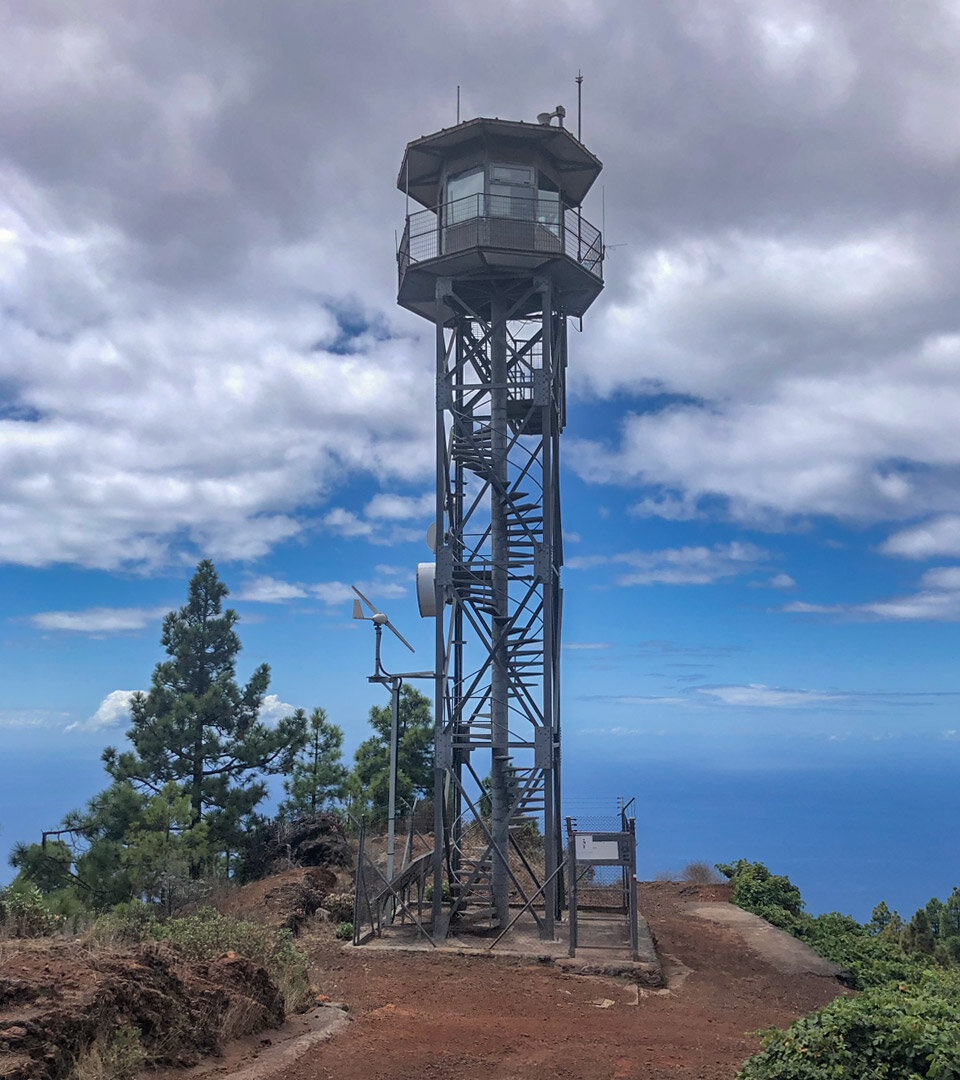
(201, 356)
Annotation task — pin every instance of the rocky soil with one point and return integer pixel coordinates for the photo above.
(58, 998)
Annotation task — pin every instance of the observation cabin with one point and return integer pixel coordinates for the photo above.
(501, 203)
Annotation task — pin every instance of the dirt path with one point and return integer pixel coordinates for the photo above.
(419, 1015)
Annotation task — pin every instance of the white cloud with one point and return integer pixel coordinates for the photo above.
(778, 581)
(696, 565)
(346, 523)
(269, 590)
(586, 645)
(380, 523)
(113, 711)
(334, 593)
(401, 507)
(668, 507)
(98, 620)
(758, 695)
(272, 709)
(756, 348)
(937, 600)
(941, 577)
(30, 718)
(200, 348)
(936, 537)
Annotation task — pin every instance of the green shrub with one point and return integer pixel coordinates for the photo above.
(344, 931)
(772, 896)
(25, 913)
(871, 960)
(340, 906)
(128, 924)
(208, 934)
(896, 1032)
(444, 891)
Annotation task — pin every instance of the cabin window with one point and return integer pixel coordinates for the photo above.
(464, 196)
(512, 191)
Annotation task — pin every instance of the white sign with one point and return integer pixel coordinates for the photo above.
(588, 848)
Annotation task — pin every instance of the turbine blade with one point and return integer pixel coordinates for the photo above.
(390, 626)
(369, 603)
(358, 610)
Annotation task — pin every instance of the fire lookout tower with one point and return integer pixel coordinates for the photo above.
(497, 260)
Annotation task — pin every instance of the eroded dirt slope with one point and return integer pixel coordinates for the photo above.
(57, 997)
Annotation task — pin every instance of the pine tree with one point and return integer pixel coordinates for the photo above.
(99, 831)
(879, 918)
(162, 845)
(318, 776)
(950, 920)
(369, 782)
(196, 727)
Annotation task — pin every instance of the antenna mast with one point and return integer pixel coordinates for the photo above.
(579, 82)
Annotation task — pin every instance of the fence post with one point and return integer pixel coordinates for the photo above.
(634, 928)
(357, 887)
(572, 872)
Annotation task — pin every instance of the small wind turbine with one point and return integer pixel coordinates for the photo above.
(394, 682)
(378, 619)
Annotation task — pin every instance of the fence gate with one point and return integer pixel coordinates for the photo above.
(603, 871)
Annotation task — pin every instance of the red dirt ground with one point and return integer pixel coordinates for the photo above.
(430, 1016)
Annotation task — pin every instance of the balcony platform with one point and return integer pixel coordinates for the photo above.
(486, 243)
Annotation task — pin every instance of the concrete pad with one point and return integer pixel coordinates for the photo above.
(781, 950)
(603, 946)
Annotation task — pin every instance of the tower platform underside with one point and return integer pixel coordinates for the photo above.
(575, 288)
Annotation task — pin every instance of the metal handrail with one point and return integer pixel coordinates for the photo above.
(501, 221)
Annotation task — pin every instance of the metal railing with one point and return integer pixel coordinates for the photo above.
(501, 221)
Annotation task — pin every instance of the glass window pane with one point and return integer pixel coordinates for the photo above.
(464, 196)
(511, 200)
(512, 174)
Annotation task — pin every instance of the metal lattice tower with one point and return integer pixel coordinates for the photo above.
(498, 260)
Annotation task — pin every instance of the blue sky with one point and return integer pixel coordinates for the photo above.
(201, 356)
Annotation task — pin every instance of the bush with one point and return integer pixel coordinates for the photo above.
(344, 931)
(208, 934)
(340, 906)
(128, 924)
(870, 959)
(24, 913)
(896, 1031)
(700, 873)
(773, 897)
(444, 892)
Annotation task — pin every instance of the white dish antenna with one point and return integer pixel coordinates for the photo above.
(377, 618)
(426, 589)
(432, 537)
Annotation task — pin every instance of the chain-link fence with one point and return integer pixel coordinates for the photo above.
(600, 888)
